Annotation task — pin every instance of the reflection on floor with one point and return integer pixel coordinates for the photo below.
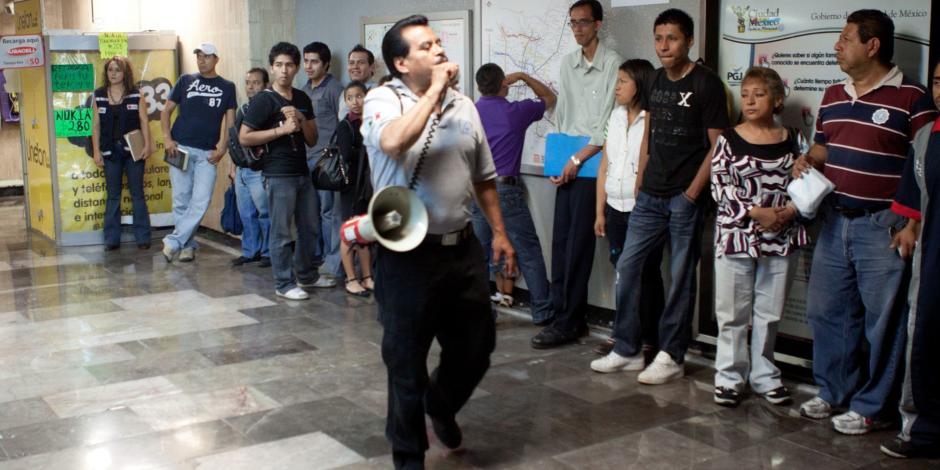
(120, 361)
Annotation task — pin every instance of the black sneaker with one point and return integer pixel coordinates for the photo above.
(901, 449)
(551, 337)
(265, 262)
(727, 397)
(897, 448)
(778, 396)
(447, 431)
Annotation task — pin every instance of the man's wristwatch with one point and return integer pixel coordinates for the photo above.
(577, 163)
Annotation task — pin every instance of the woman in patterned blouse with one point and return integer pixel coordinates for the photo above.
(757, 234)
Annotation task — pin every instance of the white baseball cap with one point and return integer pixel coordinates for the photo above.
(207, 48)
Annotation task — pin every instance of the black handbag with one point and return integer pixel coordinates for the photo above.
(331, 173)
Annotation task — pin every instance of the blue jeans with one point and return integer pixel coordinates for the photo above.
(328, 235)
(292, 198)
(521, 233)
(253, 209)
(115, 166)
(857, 292)
(192, 190)
(651, 221)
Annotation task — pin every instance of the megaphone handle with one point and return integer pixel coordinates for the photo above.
(424, 152)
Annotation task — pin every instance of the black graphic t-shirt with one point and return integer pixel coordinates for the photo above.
(202, 105)
(681, 113)
(287, 155)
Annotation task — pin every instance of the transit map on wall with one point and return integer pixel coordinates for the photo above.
(528, 36)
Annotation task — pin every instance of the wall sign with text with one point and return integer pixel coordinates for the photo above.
(21, 51)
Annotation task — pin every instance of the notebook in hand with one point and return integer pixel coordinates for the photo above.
(180, 160)
(135, 142)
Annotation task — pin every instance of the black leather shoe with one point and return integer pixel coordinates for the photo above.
(265, 262)
(143, 246)
(447, 431)
(551, 337)
(111, 247)
(241, 260)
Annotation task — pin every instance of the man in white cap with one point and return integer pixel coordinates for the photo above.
(206, 101)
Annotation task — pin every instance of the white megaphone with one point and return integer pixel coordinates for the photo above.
(396, 218)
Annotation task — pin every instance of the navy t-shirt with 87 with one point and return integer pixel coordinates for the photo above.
(287, 154)
(202, 105)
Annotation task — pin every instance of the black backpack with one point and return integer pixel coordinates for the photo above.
(242, 156)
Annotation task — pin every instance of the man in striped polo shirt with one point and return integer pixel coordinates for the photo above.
(858, 279)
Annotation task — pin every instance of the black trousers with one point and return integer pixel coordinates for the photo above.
(652, 297)
(572, 252)
(432, 292)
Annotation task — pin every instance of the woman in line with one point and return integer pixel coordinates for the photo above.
(616, 181)
(354, 200)
(116, 111)
(757, 239)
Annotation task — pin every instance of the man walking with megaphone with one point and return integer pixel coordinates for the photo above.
(417, 129)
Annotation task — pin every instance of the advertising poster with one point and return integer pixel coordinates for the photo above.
(796, 39)
(82, 190)
(35, 129)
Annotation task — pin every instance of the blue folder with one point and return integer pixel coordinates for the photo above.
(558, 151)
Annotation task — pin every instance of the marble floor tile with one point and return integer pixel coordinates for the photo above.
(70, 310)
(104, 397)
(61, 434)
(42, 383)
(310, 451)
(505, 377)
(302, 418)
(171, 412)
(852, 449)
(149, 366)
(775, 453)
(25, 412)
(252, 350)
(29, 362)
(236, 401)
(598, 388)
(732, 429)
(656, 448)
(288, 391)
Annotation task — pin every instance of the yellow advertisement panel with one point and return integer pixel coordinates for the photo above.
(82, 189)
(34, 123)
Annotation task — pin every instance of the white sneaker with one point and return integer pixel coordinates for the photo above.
(854, 424)
(168, 253)
(495, 298)
(187, 254)
(506, 301)
(816, 408)
(614, 362)
(663, 369)
(321, 282)
(293, 294)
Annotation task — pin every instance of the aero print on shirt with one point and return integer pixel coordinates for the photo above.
(214, 93)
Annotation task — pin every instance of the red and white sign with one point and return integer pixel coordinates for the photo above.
(21, 51)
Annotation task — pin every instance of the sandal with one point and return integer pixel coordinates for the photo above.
(368, 288)
(363, 293)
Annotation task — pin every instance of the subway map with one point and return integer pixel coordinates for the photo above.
(530, 36)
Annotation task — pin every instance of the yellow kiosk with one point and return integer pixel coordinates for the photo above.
(65, 191)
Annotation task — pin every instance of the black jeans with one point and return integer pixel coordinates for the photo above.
(431, 292)
(572, 252)
(652, 295)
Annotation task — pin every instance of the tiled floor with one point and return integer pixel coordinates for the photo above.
(119, 361)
